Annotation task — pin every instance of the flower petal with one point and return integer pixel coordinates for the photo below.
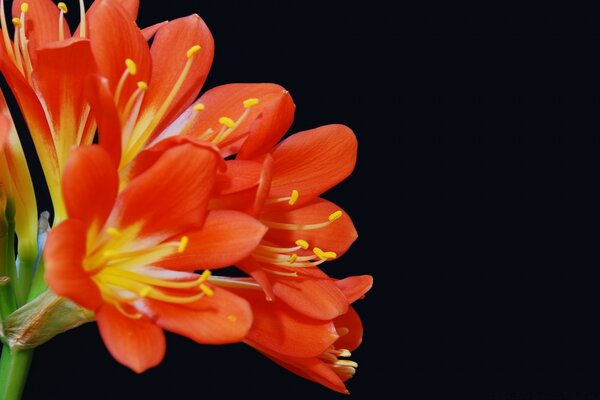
(135, 343)
(312, 369)
(355, 287)
(226, 238)
(337, 236)
(218, 319)
(280, 329)
(104, 110)
(114, 38)
(169, 48)
(90, 185)
(311, 293)
(63, 255)
(244, 186)
(350, 323)
(313, 161)
(269, 127)
(41, 23)
(171, 195)
(63, 93)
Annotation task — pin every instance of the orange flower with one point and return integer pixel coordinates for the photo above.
(106, 256)
(282, 189)
(308, 347)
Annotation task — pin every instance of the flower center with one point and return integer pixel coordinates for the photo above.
(122, 269)
(345, 369)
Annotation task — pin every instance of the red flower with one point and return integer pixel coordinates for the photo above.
(107, 255)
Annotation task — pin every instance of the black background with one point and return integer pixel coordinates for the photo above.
(474, 197)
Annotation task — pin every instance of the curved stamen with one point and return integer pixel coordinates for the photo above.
(5, 36)
(293, 227)
(82, 24)
(61, 20)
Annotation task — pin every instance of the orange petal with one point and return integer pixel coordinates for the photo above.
(244, 186)
(103, 108)
(114, 38)
(227, 101)
(172, 195)
(272, 124)
(63, 92)
(218, 319)
(90, 185)
(312, 369)
(41, 23)
(151, 30)
(337, 236)
(135, 343)
(169, 56)
(280, 329)
(311, 293)
(355, 287)
(226, 238)
(313, 161)
(350, 321)
(35, 117)
(63, 256)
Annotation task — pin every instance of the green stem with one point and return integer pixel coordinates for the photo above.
(23, 285)
(38, 286)
(14, 366)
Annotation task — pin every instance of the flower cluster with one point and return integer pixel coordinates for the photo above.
(175, 188)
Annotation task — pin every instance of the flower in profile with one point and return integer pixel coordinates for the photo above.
(315, 349)
(106, 256)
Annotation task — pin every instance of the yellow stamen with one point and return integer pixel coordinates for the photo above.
(205, 275)
(5, 36)
(61, 20)
(193, 50)
(24, 7)
(346, 363)
(17, 22)
(293, 258)
(198, 107)
(142, 85)
(293, 197)
(250, 102)
(131, 66)
(324, 255)
(82, 25)
(62, 7)
(302, 243)
(228, 122)
(109, 273)
(206, 290)
(290, 274)
(183, 244)
(145, 291)
(335, 215)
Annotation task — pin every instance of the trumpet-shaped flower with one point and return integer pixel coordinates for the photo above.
(106, 256)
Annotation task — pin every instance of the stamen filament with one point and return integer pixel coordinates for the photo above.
(5, 36)
(152, 281)
(82, 24)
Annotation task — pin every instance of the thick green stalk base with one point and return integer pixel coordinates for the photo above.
(14, 366)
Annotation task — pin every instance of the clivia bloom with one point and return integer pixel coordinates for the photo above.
(312, 348)
(106, 256)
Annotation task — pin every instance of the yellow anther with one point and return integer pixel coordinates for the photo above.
(344, 353)
(293, 197)
(193, 50)
(114, 232)
(145, 291)
(206, 290)
(293, 258)
(131, 66)
(24, 7)
(335, 215)
(232, 318)
(62, 7)
(228, 122)
(142, 85)
(183, 244)
(205, 275)
(346, 363)
(324, 255)
(302, 243)
(199, 107)
(250, 102)
(17, 22)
